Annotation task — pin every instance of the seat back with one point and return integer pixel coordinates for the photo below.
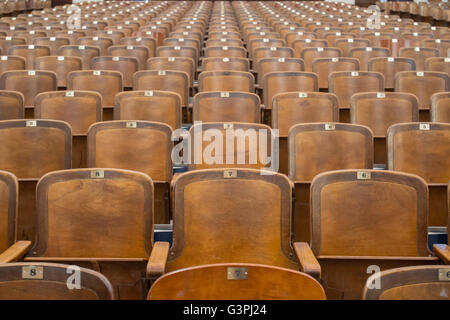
(141, 53)
(389, 66)
(380, 110)
(49, 281)
(102, 43)
(150, 43)
(78, 108)
(440, 107)
(292, 81)
(291, 108)
(226, 81)
(359, 213)
(11, 105)
(318, 147)
(419, 55)
(236, 282)
(28, 82)
(365, 54)
(346, 83)
(265, 219)
(422, 149)
(266, 65)
(127, 66)
(184, 64)
(422, 84)
(52, 42)
(117, 223)
(29, 52)
(323, 67)
(86, 53)
(409, 283)
(225, 63)
(438, 64)
(9, 198)
(11, 63)
(164, 80)
(133, 145)
(107, 83)
(60, 65)
(224, 106)
(225, 51)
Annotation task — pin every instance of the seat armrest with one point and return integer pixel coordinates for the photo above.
(308, 262)
(443, 252)
(15, 252)
(156, 265)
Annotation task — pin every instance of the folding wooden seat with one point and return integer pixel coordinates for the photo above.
(300, 44)
(150, 43)
(440, 107)
(49, 281)
(52, 42)
(380, 110)
(366, 218)
(10, 249)
(11, 63)
(142, 146)
(346, 83)
(72, 35)
(60, 65)
(225, 63)
(78, 108)
(127, 66)
(348, 44)
(8, 42)
(423, 85)
(249, 146)
(29, 83)
(86, 53)
(389, 66)
(44, 146)
(159, 106)
(419, 55)
(184, 64)
(291, 37)
(376, 38)
(172, 42)
(310, 148)
(178, 51)
(409, 283)
(114, 35)
(29, 35)
(141, 53)
(441, 44)
(224, 106)
(11, 105)
(224, 42)
(365, 54)
(225, 51)
(29, 52)
(102, 43)
(323, 67)
(236, 281)
(415, 39)
(190, 35)
(226, 81)
(266, 65)
(308, 55)
(268, 214)
(264, 43)
(439, 64)
(331, 37)
(106, 83)
(286, 81)
(164, 80)
(113, 234)
(322, 31)
(290, 108)
(422, 149)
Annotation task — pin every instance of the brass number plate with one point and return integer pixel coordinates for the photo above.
(32, 272)
(237, 273)
(444, 274)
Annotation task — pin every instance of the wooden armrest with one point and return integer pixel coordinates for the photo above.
(15, 252)
(443, 252)
(308, 262)
(156, 265)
